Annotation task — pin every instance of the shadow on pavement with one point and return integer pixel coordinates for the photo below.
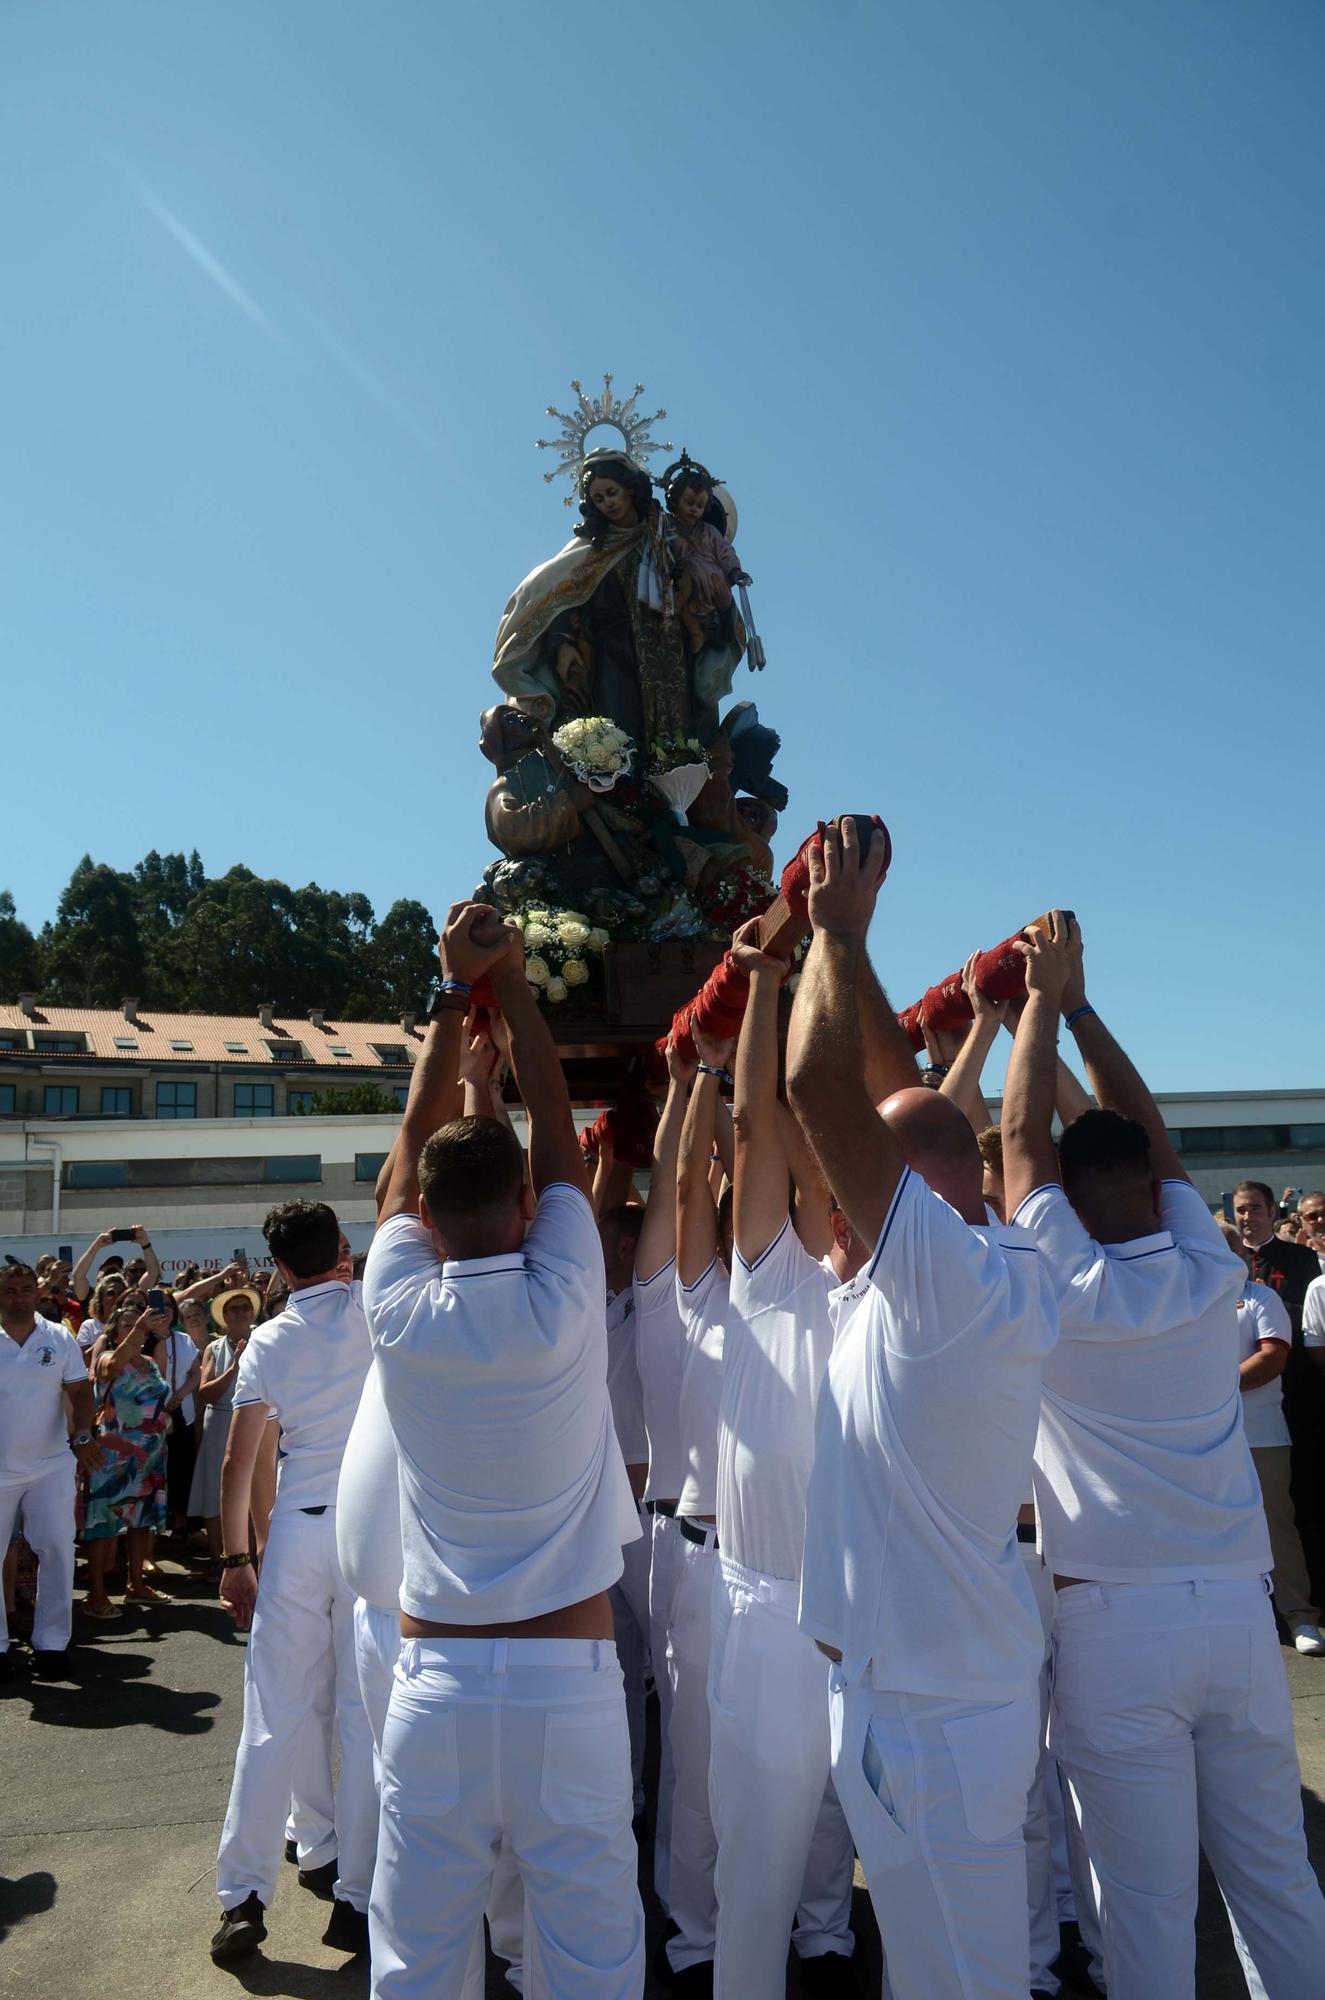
(25, 1896)
(283, 1977)
(100, 1689)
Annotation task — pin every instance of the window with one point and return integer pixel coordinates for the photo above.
(367, 1166)
(61, 1045)
(236, 1048)
(339, 1049)
(116, 1101)
(255, 1100)
(12, 1042)
(6, 1097)
(181, 1048)
(391, 1053)
(293, 1167)
(299, 1101)
(1306, 1136)
(287, 1051)
(60, 1099)
(96, 1174)
(177, 1100)
(126, 1041)
(402, 1094)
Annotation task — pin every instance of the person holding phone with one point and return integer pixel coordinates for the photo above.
(236, 1311)
(127, 1492)
(147, 1267)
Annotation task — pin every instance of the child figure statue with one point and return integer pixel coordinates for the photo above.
(706, 564)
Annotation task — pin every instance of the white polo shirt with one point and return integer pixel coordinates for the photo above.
(624, 1389)
(1262, 1315)
(368, 1504)
(308, 1366)
(705, 1308)
(34, 1434)
(514, 1497)
(1142, 1471)
(660, 1350)
(923, 1443)
(1313, 1314)
(775, 1354)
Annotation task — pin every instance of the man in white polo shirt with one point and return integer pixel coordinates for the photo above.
(619, 1232)
(660, 1349)
(1171, 1713)
(487, 1306)
(912, 1578)
(305, 1369)
(783, 1843)
(44, 1389)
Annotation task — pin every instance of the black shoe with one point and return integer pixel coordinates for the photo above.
(695, 1983)
(347, 1928)
(1072, 1964)
(291, 1852)
(6, 1666)
(320, 1881)
(831, 1976)
(242, 1929)
(662, 1964)
(50, 1663)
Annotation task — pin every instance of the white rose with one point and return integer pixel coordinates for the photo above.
(599, 939)
(536, 934)
(556, 989)
(575, 972)
(573, 932)
(536, 970)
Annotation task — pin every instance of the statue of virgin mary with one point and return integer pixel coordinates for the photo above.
(594, 631)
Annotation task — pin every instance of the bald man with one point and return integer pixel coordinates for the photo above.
(912, 1581)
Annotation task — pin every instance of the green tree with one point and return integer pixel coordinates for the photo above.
(401, 962)
(91, 955)
(18, 952)
(361, 1100)
(164, 886)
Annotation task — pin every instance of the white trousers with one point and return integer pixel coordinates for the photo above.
(1173, 1723)
(304, 1618)
(664, 1561)
(935, 1793)
(694, 1905)
(770, 1789)
(376, 1650)
(1042, 1892)
(312, 1822)
(630, 1622)
(47, 1506)
(524, 1739)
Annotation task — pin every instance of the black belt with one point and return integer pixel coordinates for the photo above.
(698, 1532)
(1026, 1531)
(313, 1510)
(667, 1508)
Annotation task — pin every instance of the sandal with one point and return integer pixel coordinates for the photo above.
(104, 1610)
(146, 1593)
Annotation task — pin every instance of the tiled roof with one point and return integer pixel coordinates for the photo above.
(211, 1038)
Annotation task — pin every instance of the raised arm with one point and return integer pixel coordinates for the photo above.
(762, 1180)
(1114, 1078)
(80, 1278)
(887, 1056)
(657, 1237)
(696, 1210)
(962, 1083)
(152, 1274)
(826, 1071)
(470, 942)
(554, 1148)
(1030, 1159)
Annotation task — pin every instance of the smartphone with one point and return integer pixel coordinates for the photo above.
(123, 1235)
(1226, 1205)
(65, 1253)
(156, 1299)
(241, 1254)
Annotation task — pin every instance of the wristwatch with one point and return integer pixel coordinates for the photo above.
(236, 1562)
(80, 1437)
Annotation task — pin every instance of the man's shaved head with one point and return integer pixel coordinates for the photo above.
(936, 1139)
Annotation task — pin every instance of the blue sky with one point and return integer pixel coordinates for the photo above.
(1004, 324)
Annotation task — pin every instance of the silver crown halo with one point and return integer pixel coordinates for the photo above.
(618, 412)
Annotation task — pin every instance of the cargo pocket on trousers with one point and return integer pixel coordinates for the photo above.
(993, 1753)
(586, 1767)
(420, 1763)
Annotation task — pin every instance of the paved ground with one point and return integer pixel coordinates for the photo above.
(113, 1787)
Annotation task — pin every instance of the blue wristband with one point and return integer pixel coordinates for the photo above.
(711, 1069)
(454, 986)
(1077, 1014)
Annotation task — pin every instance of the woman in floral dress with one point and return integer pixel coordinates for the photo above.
(127, 1494)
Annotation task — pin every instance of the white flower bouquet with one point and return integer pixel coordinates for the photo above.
(678, 769)
(597, 751)
(560, 946)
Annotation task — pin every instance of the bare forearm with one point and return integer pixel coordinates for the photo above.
(761, 1179)
(1029, 1159)
(153, 1272)
(82, 1404)
(857, 1154)
(435, 1097)
(696, 1215)
(1262, 1367)
(962, 1083)
(657, 1239)
(1119, 1086)
(236, 1501)
(1069, 1095)
(554, 1150)
(80, 1276)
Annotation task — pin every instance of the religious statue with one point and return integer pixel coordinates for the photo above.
(618, 778)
